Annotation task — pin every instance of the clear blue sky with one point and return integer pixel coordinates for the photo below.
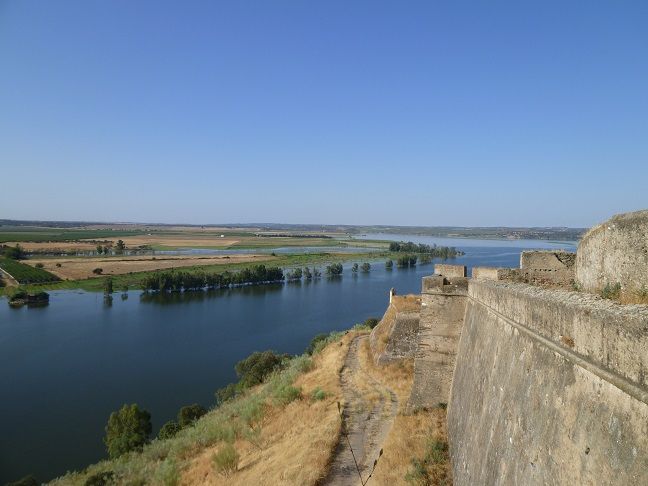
(426, 113)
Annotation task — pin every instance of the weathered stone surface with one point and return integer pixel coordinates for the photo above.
(547, 267)
(549, 388)
(442, 312)
(450, 270)
(615, 252)
(395, 336)
(493, 273)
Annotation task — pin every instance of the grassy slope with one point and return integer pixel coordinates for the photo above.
(282, 443)
(290, 443)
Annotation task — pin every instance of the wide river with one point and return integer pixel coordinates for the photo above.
(65, 367)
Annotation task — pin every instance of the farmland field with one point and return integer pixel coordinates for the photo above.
(26, 274)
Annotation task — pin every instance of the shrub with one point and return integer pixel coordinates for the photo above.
(58, 265)
(256, 367)
(169, 429)
(26, 481)
(189, 414)
(314, 342)
(318, 394)
(108, 286)
(167, 473)
(226, 460)
(371, 322)
(227, 393)
(103, 478)
(366, 267)
(354, 268)
(389, 264)
(611, 291)
(127, 430)
(284, 394)
(97, 271)
(39, 265)
(334, 270)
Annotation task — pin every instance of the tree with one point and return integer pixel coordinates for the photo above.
(389, 264)
(100, 249)
(108, 285)
(354, 268)
(366, 267)
(169, 430)
(14, 252)
(189, 414)
(128, 429)
(97, 271)
(256, 367)
(334, 269)
(120, 247)
(307, 273)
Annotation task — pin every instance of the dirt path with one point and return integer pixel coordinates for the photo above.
(369, 411)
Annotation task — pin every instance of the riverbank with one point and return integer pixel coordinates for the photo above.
(133, 280)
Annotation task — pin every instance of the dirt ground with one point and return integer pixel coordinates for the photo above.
(79, 268)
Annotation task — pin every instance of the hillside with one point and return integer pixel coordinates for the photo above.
(289, 430)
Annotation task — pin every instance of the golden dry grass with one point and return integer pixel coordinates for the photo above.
(381, 333)
(296, 442)
(79, 268)
(54, 246)
(410, 433)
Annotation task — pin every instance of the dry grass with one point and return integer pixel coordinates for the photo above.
(79, 268)
(54, 246)
(381, 333)
(296, 442)
(410, 435)
(407, 303)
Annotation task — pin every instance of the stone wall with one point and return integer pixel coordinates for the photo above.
(443, 303)
(395, 336)
(548, 267)
(615, 252)
(550, 387)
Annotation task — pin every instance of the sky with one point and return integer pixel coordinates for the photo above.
(484, 113)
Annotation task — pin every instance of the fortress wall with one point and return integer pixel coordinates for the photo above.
(615, 252)
(547, 266)
(549, 388)
(395, 336)
(443, 303)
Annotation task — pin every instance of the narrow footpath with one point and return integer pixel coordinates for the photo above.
(369, 410)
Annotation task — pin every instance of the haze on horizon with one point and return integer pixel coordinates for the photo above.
(366, 113)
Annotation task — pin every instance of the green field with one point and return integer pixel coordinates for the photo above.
(43, 234)
(26, 274)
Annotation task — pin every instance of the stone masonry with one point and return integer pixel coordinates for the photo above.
(443, 303)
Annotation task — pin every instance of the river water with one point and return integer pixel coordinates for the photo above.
(65, 367)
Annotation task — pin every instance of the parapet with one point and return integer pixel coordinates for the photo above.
(616, 252)
(548, 267)
(493, 273)
(440, 284)
(450, 270)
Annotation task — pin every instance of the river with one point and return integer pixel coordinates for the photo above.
(65, 367)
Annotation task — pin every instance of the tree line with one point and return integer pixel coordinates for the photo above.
(432, 250)
(177, 280)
